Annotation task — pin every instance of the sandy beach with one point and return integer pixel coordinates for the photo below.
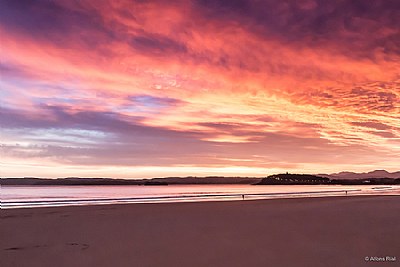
(332, 231)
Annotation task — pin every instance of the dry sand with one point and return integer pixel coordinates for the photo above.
(332, 231)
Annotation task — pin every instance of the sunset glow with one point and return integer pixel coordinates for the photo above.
(162, 88)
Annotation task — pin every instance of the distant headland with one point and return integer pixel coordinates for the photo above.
(308, 179)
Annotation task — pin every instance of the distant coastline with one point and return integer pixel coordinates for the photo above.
(281, 179)
(144, 182)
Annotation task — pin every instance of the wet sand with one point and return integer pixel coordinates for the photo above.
(331, 231)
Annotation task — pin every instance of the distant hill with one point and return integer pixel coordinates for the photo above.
(364, 175)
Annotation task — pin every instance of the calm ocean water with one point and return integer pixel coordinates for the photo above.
(45, 196)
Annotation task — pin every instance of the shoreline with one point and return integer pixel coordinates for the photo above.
(193, 197)
(317, 231)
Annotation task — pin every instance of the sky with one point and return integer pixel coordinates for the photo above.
(132, 89)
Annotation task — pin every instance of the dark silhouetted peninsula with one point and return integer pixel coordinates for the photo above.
(287, 178)
(309, 179)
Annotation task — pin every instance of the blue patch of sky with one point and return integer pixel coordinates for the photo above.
(11, 87)
(64, 137)
(147, 104)
(17, 80)
(153, 102)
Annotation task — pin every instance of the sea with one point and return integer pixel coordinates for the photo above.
(52, 196)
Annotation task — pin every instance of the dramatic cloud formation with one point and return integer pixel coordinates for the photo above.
(158, 88)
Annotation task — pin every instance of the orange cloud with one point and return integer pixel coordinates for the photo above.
(231, 84)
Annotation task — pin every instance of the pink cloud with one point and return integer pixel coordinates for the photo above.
(229, 83)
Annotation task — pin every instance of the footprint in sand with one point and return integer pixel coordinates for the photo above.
(21, 248)
(82, 246)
